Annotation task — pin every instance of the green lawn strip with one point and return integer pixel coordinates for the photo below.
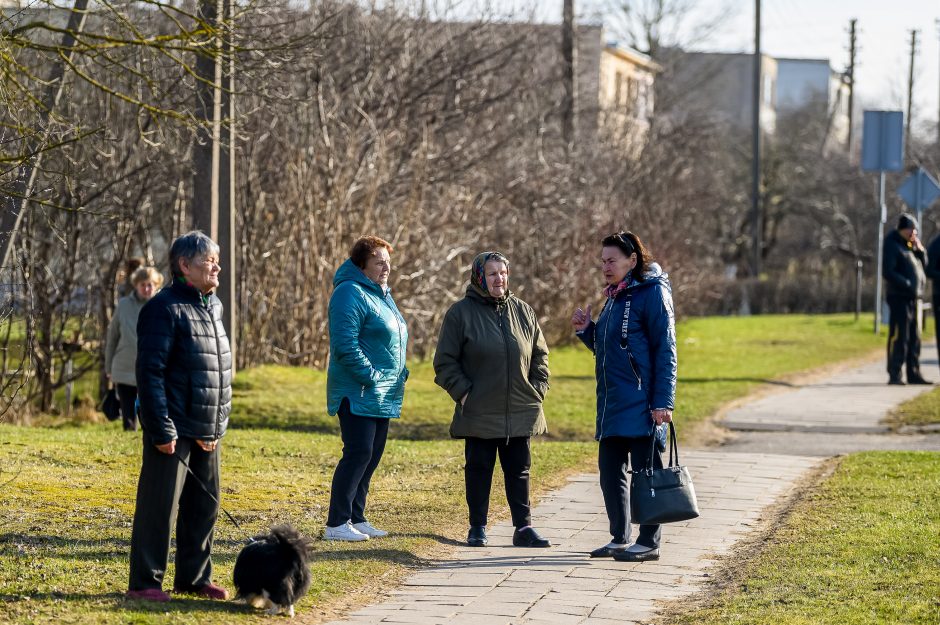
(920, 411)
(65, 530)
(720, 359)
(859, 548)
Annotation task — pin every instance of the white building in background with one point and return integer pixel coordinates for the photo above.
(720, 86)
(812, 85)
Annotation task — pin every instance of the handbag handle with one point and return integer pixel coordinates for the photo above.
(673, 449)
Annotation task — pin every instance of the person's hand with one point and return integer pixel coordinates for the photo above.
(662, 415)
(463, 399)
(581, 319)
(207, 445)
(915, 242)
(167, 448)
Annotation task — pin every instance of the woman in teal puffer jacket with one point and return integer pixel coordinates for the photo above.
(365, 380)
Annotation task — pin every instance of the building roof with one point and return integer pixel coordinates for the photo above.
(634, 56)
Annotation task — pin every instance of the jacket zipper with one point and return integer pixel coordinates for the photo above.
(218, 353)
(639, 382)
(502, 328)
(398, 321)
(604, 367)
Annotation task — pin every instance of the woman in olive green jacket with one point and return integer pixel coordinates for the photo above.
(493, 361)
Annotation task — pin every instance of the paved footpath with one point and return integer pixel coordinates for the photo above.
(502, 585)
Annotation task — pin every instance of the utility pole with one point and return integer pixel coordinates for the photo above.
(756, 225)
(910, 99)
(850, 78)
(213, 206)
(568, 76)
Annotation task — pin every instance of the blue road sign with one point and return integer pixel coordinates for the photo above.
(883, 141)
(919, 190)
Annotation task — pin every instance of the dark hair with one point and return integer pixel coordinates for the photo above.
(189, 246)
(629, 243)
(364, 247)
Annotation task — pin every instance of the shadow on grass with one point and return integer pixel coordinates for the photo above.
(179, 604)
(740, 379)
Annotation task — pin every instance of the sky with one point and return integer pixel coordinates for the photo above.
(819, 29)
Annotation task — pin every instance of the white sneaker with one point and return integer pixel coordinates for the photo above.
(366, 528)
(344, 532)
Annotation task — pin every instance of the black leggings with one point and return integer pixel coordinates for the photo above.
(515, 458)
(363, 444)
(127, 395)
(612, 462)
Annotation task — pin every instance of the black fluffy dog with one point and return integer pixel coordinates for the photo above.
(272, 572)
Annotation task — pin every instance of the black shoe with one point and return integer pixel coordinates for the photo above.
(896, 382)
(476, 537)
(642, 556)
(606, 551)
(916, 379)
(528, 537)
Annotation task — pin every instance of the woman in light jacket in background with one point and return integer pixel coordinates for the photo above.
(120, 353)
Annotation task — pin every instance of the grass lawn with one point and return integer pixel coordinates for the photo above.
(920, 411)
(65, 534)
(65, 526)
(861, 548)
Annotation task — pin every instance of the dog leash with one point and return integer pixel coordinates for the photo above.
(208, 492)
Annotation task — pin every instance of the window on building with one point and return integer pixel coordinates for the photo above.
(768, 90)
(632, 93)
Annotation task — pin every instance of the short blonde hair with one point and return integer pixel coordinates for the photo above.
(147, 273)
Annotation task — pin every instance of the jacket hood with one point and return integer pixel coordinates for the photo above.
(654, 274)
(349, 272)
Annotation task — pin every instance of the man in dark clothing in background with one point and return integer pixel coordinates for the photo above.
(903, 270)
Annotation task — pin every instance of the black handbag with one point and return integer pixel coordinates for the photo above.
(110, 405)
(663, 495)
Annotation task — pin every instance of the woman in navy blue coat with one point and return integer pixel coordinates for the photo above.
(634, 345)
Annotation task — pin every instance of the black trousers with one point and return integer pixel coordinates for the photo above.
(127, 395)
(168, 495)
(903, 338)
(612, 462)
(363, 445)
(515, 458)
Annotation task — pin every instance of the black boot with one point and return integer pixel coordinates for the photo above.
(476, 537)
(528, 537)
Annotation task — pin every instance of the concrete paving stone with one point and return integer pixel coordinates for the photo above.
(480, 619)
(497, 608)
(551, 606)
(526, 575)
(581, 598)
(416, 618)
(551, 619)
(606, 621)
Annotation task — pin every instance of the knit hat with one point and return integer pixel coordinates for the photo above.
(478, 269)
(906, 221)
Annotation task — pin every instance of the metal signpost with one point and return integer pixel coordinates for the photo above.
(882, 151)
